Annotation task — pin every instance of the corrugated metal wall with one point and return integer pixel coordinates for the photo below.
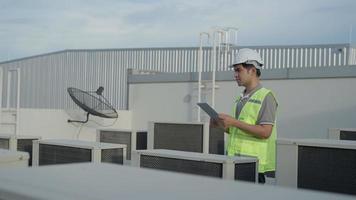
(45, 78)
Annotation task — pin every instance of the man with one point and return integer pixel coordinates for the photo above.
(252, 129)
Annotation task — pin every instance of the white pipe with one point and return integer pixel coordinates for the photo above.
(213, 71)
(18, 101)
(217, 60)
(222, 34)
(9, 77)
(227, 49)
(219, 34)
(200, 69)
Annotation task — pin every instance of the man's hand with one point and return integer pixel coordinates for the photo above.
(262, 131)
(216, 124)
(226, 120)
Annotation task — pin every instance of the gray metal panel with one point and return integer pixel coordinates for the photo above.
(197, 156)
(183, 137)
(327, 169)
(342, 133)
(4, 143)
(287, 173)
(118, 137)
(54, 154)
(216, 141)
(112, 156)
(46, 77)
(182, 165)
(72, 151)
(200, 163)
(26, 146)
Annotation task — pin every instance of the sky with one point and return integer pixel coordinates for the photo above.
(32, 27)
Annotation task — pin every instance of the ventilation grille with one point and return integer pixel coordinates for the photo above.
(26, 146)
(53, 154)
(180, 165)
(245, 172)
(141, 140)
(327, 169)
(112, 156)
(4, 143)
(216, 141)
(118, 137)
(347, 135)
(182, 137)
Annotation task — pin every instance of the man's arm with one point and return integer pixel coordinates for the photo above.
(262, 131)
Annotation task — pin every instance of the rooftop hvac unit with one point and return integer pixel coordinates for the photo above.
(13, 158)
(48, 152)
(319, 164)
(233, 168)
(134, 140)
(18, 143)
(185, 136)
(342, 133)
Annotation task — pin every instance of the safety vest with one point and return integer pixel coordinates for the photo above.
(242, 143)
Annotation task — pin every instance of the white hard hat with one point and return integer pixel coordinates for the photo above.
(248, 56)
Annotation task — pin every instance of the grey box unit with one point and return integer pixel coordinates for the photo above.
(186, 136)
(342, 133)
(319, 164)
(233, 168)
(49, 152)
(134, 140)
(18, 143)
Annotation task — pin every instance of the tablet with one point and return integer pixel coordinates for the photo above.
(209, 110)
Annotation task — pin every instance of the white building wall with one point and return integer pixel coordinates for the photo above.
(307, 107)
(52, 123)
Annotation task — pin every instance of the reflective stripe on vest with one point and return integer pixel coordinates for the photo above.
(242, 143)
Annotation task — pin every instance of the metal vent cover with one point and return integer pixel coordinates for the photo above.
(327, 169)
(54, 154)
(113, 156)
(4, 143)
(118, 137)
(216, 141)
(26, 146)
(347, 135)
(182, 165)
(245, 172)
(182, 137)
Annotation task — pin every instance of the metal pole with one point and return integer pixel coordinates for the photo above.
(350, 35)
(18, 101)
(221, 33)
(8, 93)
(213, 70)
(200, 69)
(217, 61)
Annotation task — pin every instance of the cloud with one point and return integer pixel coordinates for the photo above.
(41, 26)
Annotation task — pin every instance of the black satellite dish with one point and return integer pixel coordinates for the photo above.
(92, 102)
